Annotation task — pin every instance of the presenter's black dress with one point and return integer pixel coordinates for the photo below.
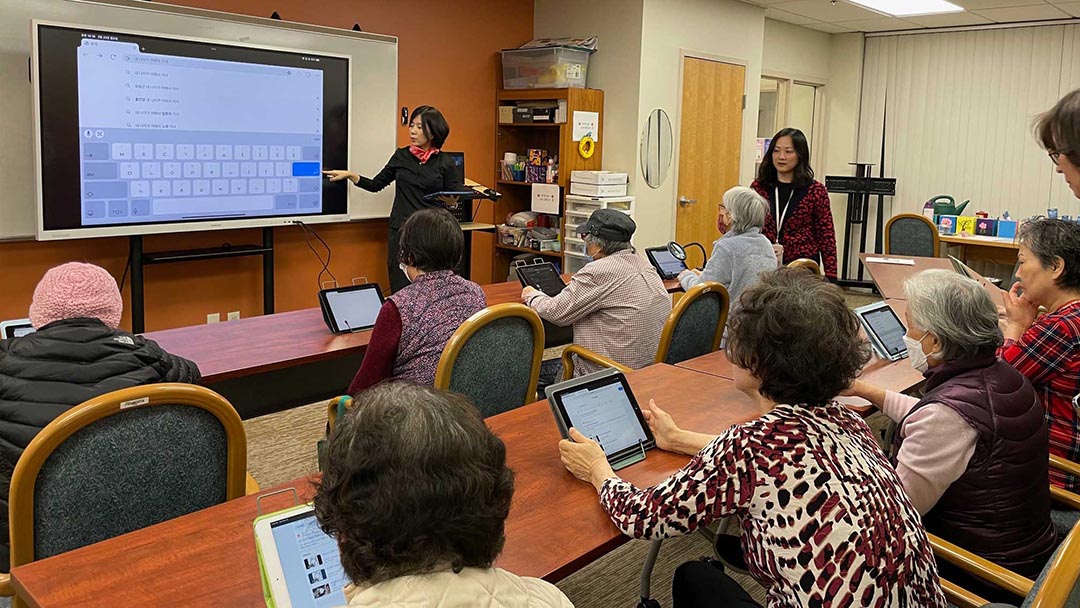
(414, 181)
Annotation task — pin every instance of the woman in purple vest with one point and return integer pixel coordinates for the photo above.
(972, 453)
(415, 324)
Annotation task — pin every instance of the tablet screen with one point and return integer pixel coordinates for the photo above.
(888, 329)
(604, 412)
(543, 277)
(669, 265)
(355, 309)
(310, 562)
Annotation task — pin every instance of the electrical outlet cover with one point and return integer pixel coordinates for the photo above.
(213, 317)
(234, 315)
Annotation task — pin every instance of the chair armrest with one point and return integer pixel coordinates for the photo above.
(6, 590)
(1063, 465)
(981, 568)
(588, 355)
(960, 597)
(334, 408)
(1065, 497)
(250, 485)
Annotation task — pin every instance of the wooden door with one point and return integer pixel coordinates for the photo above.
(710, 137)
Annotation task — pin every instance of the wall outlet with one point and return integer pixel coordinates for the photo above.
(213, 317)
(234, 315)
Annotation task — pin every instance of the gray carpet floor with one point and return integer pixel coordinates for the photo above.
(281, 447)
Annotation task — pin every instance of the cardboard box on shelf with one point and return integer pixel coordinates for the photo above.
(597, 190)
(599, 178)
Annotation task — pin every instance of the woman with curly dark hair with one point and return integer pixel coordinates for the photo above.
(416, 492)
(825, 521)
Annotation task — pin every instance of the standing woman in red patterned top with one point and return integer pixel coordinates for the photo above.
(799, 215)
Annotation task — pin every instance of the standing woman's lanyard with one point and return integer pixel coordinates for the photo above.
(787, 205)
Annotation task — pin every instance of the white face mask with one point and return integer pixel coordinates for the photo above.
(918, 359)
(401, 265)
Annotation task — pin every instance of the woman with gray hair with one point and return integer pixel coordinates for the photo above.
(742, 253)
(972, 453)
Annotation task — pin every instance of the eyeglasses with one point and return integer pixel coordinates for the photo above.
(1054, 156)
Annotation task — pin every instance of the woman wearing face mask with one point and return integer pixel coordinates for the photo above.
(800, 218)
(415, 324)
(972, 453)
(419, 170)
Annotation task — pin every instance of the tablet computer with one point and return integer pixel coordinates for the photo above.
(15, 328)
(300, 564)
(666, 264)
(601, 405)
(993, 290)
(884, 329)
(542, 277)
(352, 308)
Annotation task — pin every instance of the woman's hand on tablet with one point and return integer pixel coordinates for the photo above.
(585, 459)
(669, 437)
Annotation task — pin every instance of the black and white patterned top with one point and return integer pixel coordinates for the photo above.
(825, 519)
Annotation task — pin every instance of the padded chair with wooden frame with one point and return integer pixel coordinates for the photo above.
(494, 358)
(121, 462)
(678, 341)
(1056, 583)
(808, 264)
(911, 234)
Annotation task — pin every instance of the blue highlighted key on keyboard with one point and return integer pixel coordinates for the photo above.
(305, 169)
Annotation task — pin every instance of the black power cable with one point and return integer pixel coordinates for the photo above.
(329, 253)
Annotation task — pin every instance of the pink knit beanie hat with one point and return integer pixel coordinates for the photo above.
(76, 290)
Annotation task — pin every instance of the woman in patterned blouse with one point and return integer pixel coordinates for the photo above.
(825, 521)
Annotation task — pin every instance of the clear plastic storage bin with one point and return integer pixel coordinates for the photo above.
(557, 67)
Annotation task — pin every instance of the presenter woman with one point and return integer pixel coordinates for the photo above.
(419, 170)
(799, 215)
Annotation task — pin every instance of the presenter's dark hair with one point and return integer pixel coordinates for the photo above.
(795, 334)
(1059, 129)
(414, 481)
(435, 126)
(803, 173)
(431, 240)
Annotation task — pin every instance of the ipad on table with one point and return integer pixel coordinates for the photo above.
(542, 277)
(300, 564)
(884, 329)
(666, 264)
(602, 406)
(352, 308)
(992, 290)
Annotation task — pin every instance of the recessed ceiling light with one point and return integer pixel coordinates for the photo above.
(909, 8)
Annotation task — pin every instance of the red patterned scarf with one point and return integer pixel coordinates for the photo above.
(423, 155)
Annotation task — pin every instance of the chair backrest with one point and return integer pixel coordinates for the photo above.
(1056, 585)
(911, 234)
(494, 358)
(123, 461)
(808, 264)
(695, 325)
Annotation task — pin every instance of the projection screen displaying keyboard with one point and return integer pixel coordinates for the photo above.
(142, 134)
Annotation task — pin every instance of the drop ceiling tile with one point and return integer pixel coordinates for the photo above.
(830, 28)
(949, 20)
(823, 10)
(880, 24)
(779, 15)
(1023, 13)
(1073, 8)
(975, 5)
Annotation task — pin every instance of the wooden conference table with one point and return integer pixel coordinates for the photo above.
(556, 524)
(275, 362)
(890, 278)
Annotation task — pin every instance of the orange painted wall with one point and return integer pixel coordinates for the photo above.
(447, 57)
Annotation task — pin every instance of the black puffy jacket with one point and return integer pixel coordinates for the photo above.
(60, 366)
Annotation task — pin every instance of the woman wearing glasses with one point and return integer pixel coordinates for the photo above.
(1046, 348)
(419, 170)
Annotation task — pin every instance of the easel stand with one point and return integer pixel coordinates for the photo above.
(140, 259)
(859, 189)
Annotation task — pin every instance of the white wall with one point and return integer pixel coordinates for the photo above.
(722, 29)
(793, 51)
(615, 68)
(842, 123)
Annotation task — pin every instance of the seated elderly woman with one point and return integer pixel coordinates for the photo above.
(416, 492)
(415, 324)
(972, 453)
(742, 253)
(825, 520)
(1046, 348)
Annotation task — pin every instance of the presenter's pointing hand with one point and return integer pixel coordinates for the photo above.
(336, 175)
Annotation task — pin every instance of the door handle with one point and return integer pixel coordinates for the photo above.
(683, 201)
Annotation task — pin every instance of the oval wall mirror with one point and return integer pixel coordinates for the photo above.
(656, 148)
